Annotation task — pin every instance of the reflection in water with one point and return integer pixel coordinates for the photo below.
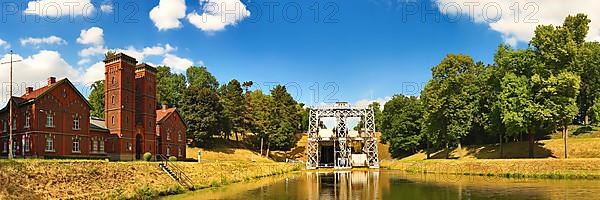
(398, 185)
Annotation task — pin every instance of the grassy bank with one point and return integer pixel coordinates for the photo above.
(68, 179)
(513, 168)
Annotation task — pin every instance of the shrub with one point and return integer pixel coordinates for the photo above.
(147, 156)
(172, 158)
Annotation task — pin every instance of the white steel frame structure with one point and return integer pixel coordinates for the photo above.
(342, 157)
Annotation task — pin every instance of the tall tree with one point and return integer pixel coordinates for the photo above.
(202, 78)
(451, 99)
(96, 99)
(248, 121)
(284, 119)
(202, 112)
(401, 125)
(590, 81)
(561, 50)
(169, 86)
(234, 106)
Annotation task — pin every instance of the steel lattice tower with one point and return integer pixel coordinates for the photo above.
(341, 112)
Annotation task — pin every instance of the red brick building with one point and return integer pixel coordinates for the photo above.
(171, 129)
(54, 120)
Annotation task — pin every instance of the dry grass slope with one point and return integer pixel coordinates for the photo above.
(68, 179)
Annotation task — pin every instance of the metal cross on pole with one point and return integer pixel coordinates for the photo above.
(10, 126)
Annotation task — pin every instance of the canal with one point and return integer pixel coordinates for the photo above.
(384, 184)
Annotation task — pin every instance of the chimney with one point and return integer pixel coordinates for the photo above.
(164, 107)
(51, 80)
(28, 90)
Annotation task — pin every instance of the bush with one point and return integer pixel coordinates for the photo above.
(147, 156)
(172, 158)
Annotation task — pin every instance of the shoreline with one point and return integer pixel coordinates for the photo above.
(507, 168)
(77, 179)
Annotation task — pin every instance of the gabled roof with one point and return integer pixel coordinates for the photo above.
(40, 92)
(163, 114)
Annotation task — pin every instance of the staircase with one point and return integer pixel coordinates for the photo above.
(174, 172)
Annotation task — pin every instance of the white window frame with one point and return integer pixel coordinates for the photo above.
(27, 144)
(179, 153)
(27, 124)
(76, 145)
(14, 123)
(179, 136)
(76, 124)
(94, 145)
(49, 144)
(168, 150)
(101, 146)
(168, 134)
(49, 120)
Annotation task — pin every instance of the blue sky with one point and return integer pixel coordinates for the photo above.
(356, 51)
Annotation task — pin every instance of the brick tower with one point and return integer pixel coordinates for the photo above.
(145, 109)
(119, 105)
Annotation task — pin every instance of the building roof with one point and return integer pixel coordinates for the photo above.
(35, 94)
(163, 114)
(97, 124)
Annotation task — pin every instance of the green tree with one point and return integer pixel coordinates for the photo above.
(96, 99)
(261, 109)
(284, 119)
(202, 78)
(590, 81)
(401, 125)
(203, 113)
(234, 106)
(451, 99)
(169, 86)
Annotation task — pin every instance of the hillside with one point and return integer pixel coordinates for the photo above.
(552, 148)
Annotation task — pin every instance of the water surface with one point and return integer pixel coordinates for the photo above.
(383, 184)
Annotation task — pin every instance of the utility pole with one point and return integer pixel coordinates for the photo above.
(10, 117)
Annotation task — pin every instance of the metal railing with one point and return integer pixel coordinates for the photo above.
(180, 176)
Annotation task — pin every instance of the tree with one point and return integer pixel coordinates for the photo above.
(248, 121)
(516, 97)
(202, 112)
(561, 50)
(169, 86)
(202, 78)
(451, 99)
(284, 119)
(96, 99)
(234, 106)
(401, 125)
(261, 108)
(590, 81)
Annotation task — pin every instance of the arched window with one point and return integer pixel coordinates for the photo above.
(112, 120)
(113, 99)
(76, 145)
(114, 80)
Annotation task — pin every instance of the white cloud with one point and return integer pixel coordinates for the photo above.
(217, 14)
(91, 51)
(366, 102)
(520, 27)
(4, 45)
(92, 36)
(176, 63)
(93, 73)
(58, 8)
(35, 70)
(167, 14)
(52, 40)
(106, 8)
(84, 61)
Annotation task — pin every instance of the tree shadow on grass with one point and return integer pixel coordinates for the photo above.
(492, 151)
